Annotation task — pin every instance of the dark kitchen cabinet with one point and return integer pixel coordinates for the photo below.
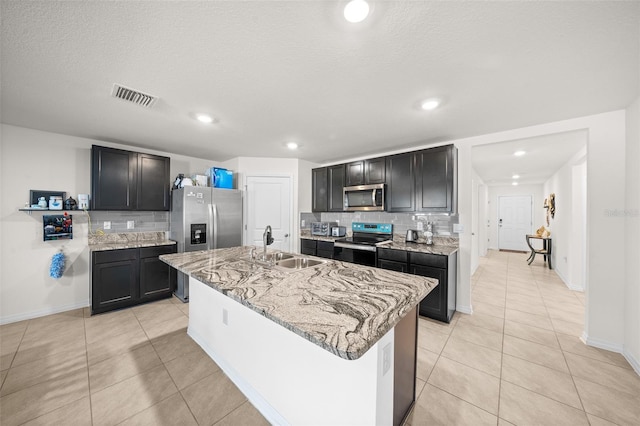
(393, 260)
(308, 247)
(440, 304)
(157, 279)
(316, 248)
(127, 180)
(319, 200)
(114, 279)
(365, 172)
(127, 277)
(335, 184)
(436, 179)
(327, 189)
(401, 188)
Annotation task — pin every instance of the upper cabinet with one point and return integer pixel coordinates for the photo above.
(419, 181)
(365, 172)
(126, 180)
(436, 180)
(401, 187)
(335, 176)
(327, 191)
(319, 190)
(423, 181)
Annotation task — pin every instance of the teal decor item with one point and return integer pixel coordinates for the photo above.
(57, 265)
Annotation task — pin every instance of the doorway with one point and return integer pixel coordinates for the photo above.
(269, 202)
(514, 221)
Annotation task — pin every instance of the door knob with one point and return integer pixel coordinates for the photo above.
(286, 235)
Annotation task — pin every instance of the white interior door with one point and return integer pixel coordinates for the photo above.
(514, 222)
(269, 201)
(474, 225)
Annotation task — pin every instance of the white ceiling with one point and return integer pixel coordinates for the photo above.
(277, 71)
(545, 155)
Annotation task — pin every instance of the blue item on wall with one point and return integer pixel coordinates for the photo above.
(57, 265)
(221, 178)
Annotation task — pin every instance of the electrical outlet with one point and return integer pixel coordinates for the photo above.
(303, 224)
(458, 228)
(386, 358)
(420, 225)
(106, 225)
(225, 316)
(130, 224)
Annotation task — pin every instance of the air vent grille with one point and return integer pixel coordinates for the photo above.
(134, 96)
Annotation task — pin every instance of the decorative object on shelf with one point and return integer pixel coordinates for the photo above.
(70, 204)
(178, 181)
(543, 232)
(57, 265)
(57, 227)
(36, 196)
(55, 202)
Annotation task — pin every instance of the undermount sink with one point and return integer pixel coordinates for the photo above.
(298, 263)
(274, 257)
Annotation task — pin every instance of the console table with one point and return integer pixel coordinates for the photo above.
(545, 250)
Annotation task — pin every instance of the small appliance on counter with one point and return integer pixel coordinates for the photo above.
(83, 201)
(322, 228)
(338, 231)
(412, 236)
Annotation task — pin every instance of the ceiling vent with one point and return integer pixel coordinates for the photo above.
(134, 96)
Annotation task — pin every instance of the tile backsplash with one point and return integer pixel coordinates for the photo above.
(442, 225)
(143, 221)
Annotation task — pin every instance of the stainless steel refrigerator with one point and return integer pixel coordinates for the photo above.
(204, 218)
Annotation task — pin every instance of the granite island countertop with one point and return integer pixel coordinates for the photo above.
(127, 240)
(342, 307)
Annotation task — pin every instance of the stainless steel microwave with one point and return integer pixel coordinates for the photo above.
(364, 198)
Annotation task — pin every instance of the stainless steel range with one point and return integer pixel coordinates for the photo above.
(361, 247)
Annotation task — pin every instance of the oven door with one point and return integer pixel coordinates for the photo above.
(353, 253)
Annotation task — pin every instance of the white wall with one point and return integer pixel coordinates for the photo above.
(632, 242)
(32, 159)
(537, 214)
(566, 255)
(298, 170)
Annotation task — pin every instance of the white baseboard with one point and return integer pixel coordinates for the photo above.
(635, 363)
(602, 344)
(44, 312)
(567, 283)
(464, 309)
(268, 412)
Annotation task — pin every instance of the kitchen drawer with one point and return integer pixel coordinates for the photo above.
(114, 255)
(325, 246)
(156, 251)
(391, 254)
(426, 259)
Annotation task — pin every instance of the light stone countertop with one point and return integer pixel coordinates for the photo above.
(342, 307)
(127, 240)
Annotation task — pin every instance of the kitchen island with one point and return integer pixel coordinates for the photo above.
(329, 344)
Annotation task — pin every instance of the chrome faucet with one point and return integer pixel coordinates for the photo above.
(267, 240)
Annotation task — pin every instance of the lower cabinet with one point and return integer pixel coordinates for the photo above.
(440, 304)
(121, 278)
(393, 260)
(316, 248)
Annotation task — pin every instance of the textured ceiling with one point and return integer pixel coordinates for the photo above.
(278, 71)
(545, 155)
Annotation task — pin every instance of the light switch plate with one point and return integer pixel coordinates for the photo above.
(458, 228)
(106, 225)
(130, 224)
(420, 225)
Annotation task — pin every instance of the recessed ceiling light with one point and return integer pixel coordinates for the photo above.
(519, 153)
(356, 11)
(515, 177)
(292, 145)
(204, 118)
(514, 183)
(430, 104)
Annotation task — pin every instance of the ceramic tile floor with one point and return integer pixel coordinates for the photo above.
(516, 360)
